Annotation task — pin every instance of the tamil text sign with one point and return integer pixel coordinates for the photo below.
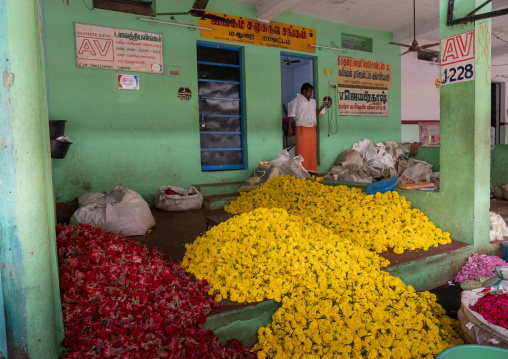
(362, 102)
(250, 31)
(102, 47)
(363, 73)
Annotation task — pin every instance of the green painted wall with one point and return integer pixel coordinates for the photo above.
(31, 309)
(499, 166)
(429, 155)
(148, 138)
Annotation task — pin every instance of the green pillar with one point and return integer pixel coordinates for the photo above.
(465, 128)
(31, 324)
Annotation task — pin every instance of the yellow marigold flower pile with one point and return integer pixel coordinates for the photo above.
(375, 222)
(265, 254)
(336, 302)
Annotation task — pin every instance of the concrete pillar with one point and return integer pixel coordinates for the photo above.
(465, 129)
(31, 319)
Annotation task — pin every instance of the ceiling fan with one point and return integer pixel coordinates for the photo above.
(287, 61)
(414, 47)
(198, 10)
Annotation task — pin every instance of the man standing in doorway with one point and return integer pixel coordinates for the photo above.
(302, 109)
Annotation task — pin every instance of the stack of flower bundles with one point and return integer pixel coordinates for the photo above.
(307, 245)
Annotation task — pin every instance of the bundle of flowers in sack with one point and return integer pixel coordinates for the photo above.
(499, 229)
(376, 222)
(479, 265)
(494, 308)
(336, 300)
(123, 300)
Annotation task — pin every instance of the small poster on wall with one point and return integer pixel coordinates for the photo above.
(430, 133)
(100, 47)
(458, 58)
(362, 102)
(128, 82)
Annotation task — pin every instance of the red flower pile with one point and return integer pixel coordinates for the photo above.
(123, 300)
(494, 308)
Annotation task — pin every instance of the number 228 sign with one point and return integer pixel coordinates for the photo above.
(457, 58)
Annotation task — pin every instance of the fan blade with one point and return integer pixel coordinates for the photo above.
(171, 13)
(200, 4)
(295, 61)
(218, 18)
(430, 45)
(399, 44)
(405, 52)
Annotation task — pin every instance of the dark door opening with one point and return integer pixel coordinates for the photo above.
(294, 72)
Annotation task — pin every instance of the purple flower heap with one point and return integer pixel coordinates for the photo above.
(479, 265)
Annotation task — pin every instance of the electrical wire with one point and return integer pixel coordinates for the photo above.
(330, 113)
(85, 5)
(497, 37)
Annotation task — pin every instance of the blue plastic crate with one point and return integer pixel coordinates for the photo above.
(382, 186)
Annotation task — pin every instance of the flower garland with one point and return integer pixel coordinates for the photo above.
(494, 308)
(479, 265)
(375, 222)
(336, 302)
(498, 227)
(123, 300)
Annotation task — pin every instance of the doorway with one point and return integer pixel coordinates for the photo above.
(294, 72)
(496, 109)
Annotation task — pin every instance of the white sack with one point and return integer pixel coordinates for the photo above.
(351, 159)
(120, 211)
(183, 201)
(290, 166)
(366, 148)
(343, 174)
(475, 328)
(417, 171)
(393, 148)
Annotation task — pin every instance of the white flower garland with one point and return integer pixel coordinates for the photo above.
(499, 228)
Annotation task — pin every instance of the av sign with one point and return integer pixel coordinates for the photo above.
(457, 58)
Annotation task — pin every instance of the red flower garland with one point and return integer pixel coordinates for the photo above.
(494, 308)
(123, 300)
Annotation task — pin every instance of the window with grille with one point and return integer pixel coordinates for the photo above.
(221, 118)
(354, 42)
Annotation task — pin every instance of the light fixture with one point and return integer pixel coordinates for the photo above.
(174, 23)
(332, 48)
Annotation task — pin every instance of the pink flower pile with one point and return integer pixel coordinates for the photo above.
(123, 300)
(494, 308)
(479, 265)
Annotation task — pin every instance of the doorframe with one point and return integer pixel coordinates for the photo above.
(312, 63)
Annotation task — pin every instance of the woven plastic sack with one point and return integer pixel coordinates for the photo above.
(183, 200)
(475, 328)
(288, 165)
(120, 211)
(265, 172)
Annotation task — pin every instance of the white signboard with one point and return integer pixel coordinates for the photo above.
(457, 58)
(128, 82)
(109, 48)
(362, 102)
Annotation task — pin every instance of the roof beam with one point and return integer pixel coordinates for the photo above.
(268, 9)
